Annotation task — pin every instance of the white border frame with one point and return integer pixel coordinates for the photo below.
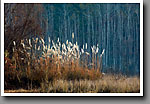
(72, 94)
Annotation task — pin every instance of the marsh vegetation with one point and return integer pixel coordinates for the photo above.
(76, 48)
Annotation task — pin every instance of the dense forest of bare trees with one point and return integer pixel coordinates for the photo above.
(114, 27)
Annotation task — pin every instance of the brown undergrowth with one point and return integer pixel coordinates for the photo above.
(45, 71)
(70, 77)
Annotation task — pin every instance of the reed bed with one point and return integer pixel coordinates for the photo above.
(59, 67)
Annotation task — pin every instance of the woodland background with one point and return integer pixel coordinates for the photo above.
(114, 27)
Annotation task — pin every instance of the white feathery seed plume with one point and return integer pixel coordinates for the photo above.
(72, 35)
(49, 46)
(86, 46)
(70, 43)
(82, 51)
(97, 45)
(59, 44)
(68, 50)
(36, 40)
(83, 46)
(76, 43)
(87, 53)
(97, 50)
(22, 44)
(58, 40)
(92, 49)
(14, 43)
(38, 48)
(42, 40)
(53, 43)
(30, 42)
(49, 39)
(103, 51)
(35, 46)
(67, 42)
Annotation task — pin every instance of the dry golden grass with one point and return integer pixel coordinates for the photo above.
(108, 84)
(22, 91)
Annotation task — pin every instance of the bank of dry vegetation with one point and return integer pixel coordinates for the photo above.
(107, 84)
(60, 67)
